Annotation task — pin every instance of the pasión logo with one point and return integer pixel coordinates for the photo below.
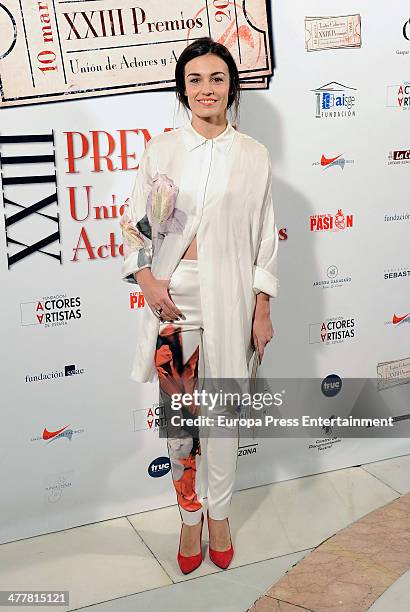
(329, 222)
(335, 101)
(52, 436)
(398, 96)
(331, 162)
(332, 331)
(69, 370)
(51, 311)
(137, 300)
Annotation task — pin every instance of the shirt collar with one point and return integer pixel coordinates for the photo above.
(194, 139)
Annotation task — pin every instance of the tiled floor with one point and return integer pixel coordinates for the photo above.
(130, 563)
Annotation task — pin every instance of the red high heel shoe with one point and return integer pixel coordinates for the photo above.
(188, 564)
(221, 558)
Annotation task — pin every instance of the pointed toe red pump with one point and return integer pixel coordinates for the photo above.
(221, 558)
(190, 563)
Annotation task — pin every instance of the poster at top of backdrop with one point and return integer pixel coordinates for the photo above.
(79, 48)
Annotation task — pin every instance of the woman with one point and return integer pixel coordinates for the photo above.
(201, 241)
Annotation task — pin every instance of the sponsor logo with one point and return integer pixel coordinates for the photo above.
(331, 385)
(404, 216)
(406, 36)
(330, 162)
(247, 450)
(149, 418)
(330, 222)
(323, 444)
(395, 273)
(398, 96)
(406, 30)
(51, 435)
(159, 467)
(51, 311)
(137, 300)
(333, 280)
(335, 101)
(332, 331)
(396, 320)
(59, 484)
(69, 370)
(399, 157)
(393, 373)
(336, 32)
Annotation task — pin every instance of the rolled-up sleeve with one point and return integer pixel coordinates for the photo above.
(265, 276)
(135, 228)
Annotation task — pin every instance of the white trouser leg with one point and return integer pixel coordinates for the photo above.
(220, 447)
(203, 463)
(176, 359)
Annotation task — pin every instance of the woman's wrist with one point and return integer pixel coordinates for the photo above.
(143, 275)
(262, 299)
(262, 306)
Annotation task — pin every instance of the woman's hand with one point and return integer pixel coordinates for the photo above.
(156, 294)
(262, 330)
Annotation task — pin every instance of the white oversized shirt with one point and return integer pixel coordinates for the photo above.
(224, 198)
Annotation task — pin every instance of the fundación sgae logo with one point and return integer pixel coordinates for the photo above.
(335, 101)
(69, 370)
(331, 222)
(51, 311)
(49, 436)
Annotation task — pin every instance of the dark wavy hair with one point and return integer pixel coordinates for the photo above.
(202, 46)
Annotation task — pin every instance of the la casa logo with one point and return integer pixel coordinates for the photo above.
(330, 222)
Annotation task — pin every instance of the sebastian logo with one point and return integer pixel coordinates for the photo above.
(397, 319)
(47, 435)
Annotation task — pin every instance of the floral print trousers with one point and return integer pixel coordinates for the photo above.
(203, 458)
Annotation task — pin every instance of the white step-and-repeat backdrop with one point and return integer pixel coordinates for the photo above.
(81, 93)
